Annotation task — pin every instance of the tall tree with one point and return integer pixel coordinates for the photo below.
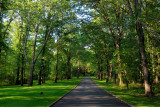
(136, 13)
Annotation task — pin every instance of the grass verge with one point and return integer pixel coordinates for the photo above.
(24, 96)
(133, 95)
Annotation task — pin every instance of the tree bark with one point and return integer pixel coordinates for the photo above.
(114, 77)
(139, 29)
(78, 71)
(30, 82)
(98, 73)
(56, 78)
(18, 70)
(40, 72)
(68, 75)
(111, 71)
(101, 71)
(119, 65)
(84, 68)
(41, 68)
(17, 78)
(107, 70)
(22, 71)
(148, 90)
(158, 70)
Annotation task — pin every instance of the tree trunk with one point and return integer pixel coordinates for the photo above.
(68, 75)
(56, 78)
(22, 71)
(0, 48)
(41, 69)
(30, 82)
(101, 71)
(18, 71)
(114, 77)
(141, 77)
(148, 90)
(107, 70)
(43, 77)
(98, 73)
(17, 79)
(111, 71)
(158, 70)
(40, 73)
(78, 71)
(140, 68)
(119, 65)
(84, 68)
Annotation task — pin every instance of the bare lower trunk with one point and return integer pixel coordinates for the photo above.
(56, 78)
(141, 78)
(78, 70)
(101, 70)
(41, 70)
(141, 69)
(111, 72)
(107, 70)
(17, 79)
(148, 90)
(40, 75)
(43, 77)
(158, 70)
(120, 78)
(68, 73)
(119, 65)
(0, 52)
(98, 73)
(30, 82)
(114, 77)
(84, 68)
(22, 71)
(101, 76)
(18, 71)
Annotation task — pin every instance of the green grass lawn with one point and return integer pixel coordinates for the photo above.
(24, 96)
(133, 95)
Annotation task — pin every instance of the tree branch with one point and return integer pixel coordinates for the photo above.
(25, 53)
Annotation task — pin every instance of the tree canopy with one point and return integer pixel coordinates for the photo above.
(58, 39)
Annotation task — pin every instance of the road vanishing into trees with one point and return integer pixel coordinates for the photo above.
(88, 94)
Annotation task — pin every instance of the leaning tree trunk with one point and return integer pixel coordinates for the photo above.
(148, 90)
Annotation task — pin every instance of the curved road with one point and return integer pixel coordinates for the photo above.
(88, 94)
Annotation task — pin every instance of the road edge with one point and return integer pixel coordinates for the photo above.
(112, 94)
(65, 94)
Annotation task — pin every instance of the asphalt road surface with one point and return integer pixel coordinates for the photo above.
(88, 94)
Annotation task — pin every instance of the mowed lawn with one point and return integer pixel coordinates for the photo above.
(24, 96)
(134, 95)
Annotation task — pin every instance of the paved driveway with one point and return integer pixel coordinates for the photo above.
(88, 94)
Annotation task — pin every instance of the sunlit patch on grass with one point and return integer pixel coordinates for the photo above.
(17, 96)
